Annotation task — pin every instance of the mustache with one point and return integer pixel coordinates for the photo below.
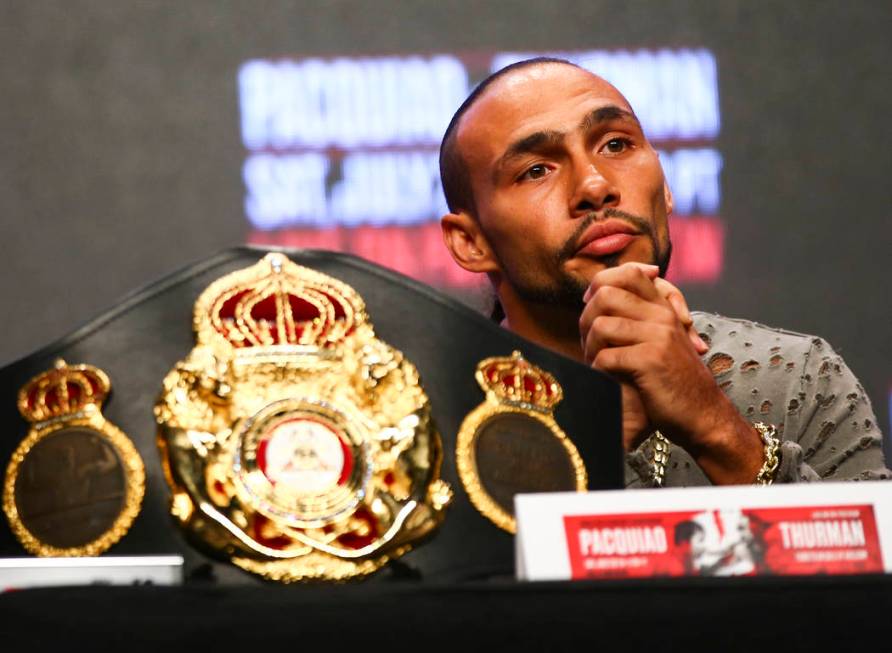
(571, 246)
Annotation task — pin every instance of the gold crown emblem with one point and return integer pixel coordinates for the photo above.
(516, 380)
(275, 303)
(65, 390)
(296, 443)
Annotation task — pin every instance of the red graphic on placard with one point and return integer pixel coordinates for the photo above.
(728, 542)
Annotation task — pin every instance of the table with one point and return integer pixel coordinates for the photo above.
(745, 614)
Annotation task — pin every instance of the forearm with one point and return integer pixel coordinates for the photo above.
(732, 452)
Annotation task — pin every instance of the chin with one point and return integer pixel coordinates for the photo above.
(634, 255)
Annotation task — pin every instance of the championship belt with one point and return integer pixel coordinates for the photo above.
(296, 443)
(75, 483)
(511, 444)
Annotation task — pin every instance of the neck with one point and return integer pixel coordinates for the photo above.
(551, 326)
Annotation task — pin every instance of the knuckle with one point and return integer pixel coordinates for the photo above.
(601, 323)
(666, 287)
(605, 295)
(600, 278)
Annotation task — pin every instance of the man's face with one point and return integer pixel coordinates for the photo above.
(564, 181)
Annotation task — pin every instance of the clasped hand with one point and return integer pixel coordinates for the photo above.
(637, 328)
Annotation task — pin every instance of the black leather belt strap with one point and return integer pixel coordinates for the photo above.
(140, 339)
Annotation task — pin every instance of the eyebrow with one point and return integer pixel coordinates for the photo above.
(535, 142)
(541, 140)
(606, 114)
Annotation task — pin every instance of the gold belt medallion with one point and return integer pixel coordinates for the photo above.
(296, 443)
(511, 443)
(75, 483)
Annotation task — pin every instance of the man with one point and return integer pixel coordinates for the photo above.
(555, 193)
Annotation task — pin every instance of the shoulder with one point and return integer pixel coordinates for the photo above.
(765, 371)
(753, 342)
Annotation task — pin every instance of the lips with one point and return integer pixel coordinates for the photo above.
(605, 238)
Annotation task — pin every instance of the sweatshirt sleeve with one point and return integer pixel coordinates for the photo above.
(830, 431)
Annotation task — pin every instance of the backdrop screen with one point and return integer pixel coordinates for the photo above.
(342, 153)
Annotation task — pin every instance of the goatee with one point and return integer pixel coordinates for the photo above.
(568, 291)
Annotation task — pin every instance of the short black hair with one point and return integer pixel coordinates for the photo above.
(453, 171)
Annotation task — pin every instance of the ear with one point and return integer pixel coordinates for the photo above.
(467, 243)
(667, 197)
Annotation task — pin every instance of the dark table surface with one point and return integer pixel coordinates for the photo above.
(746, 614)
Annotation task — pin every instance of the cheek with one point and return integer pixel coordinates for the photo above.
(525, 222)
(643, 178)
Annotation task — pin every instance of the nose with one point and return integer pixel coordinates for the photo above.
(593, 191)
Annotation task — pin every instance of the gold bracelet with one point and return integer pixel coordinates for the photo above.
(772, 446)
(661, 458)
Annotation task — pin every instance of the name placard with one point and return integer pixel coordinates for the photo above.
(804, 529)
(24, 573)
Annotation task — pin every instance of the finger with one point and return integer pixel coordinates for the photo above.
(650, 271)
(675, 297)
(634, 277)
(699, 344)
(618, 361)
(610, 331)
(610, 300)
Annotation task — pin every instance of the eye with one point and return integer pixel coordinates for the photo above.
(616, 146)
(534, 172)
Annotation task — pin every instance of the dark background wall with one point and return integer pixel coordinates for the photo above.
(120, 152)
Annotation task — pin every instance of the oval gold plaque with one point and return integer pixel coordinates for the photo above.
(511, 444)
(75, 484)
